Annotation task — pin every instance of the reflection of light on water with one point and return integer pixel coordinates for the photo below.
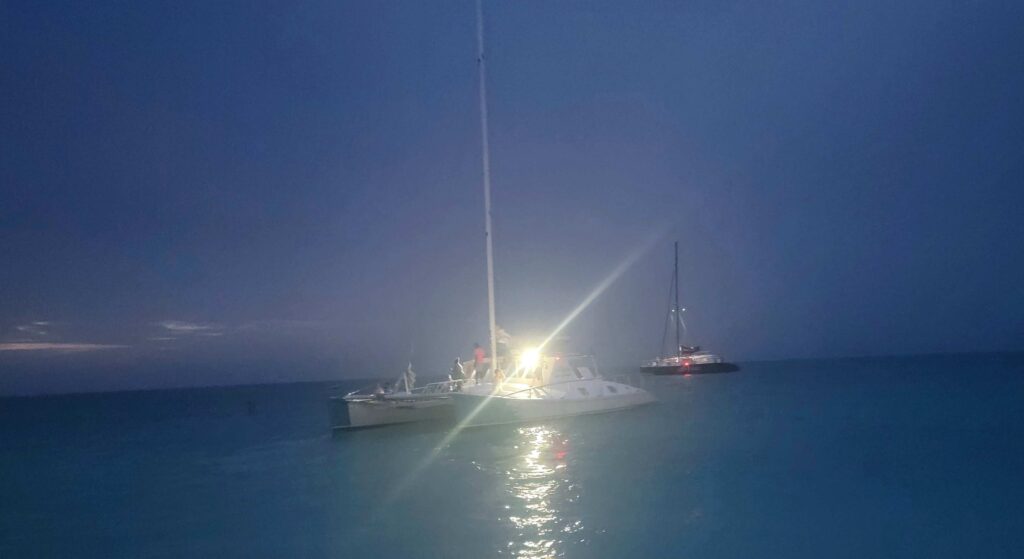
(538, 481)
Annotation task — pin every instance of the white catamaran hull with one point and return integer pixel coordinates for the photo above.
(478, 410)
(360, 413)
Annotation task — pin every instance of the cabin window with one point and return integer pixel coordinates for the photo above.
(583, 367)
(561, 370)
(583, 391)
(611, 389)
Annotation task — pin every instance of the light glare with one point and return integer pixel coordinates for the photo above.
(530, 359)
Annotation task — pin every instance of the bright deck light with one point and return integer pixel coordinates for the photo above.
(530, 358)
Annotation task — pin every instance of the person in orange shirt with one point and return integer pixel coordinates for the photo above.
(478, 363)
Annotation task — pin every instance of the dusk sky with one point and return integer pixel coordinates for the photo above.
(232, 192)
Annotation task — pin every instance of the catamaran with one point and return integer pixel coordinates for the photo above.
(685, 359)
(540, 387)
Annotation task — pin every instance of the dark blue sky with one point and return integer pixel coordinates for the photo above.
(234, 192)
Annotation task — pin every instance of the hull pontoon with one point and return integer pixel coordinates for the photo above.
(357, 413)
(555, 387)
(699, 362)
(429, 403)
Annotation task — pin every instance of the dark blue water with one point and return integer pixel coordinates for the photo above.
(908, 457)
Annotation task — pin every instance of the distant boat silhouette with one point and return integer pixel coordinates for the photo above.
(685, 359)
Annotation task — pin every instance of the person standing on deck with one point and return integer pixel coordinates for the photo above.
(478, 363)
(457, 371)
(503, 341)
(456, 376)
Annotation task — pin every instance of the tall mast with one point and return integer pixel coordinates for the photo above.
(675, 308)
(488, 233)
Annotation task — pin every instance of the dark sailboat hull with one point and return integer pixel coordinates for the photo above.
(693, 369)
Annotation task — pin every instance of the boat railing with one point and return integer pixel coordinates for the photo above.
(440, 387)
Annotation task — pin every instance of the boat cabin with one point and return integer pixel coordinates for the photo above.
(532, 370)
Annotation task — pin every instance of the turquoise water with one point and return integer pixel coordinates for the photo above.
(906, 457)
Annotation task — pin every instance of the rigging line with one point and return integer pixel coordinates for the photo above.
(675, 309)
(668, 319)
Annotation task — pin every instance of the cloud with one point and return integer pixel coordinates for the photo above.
(182, 327)
(51, 346)
(36, 329)
(173, 330)
(280, 325)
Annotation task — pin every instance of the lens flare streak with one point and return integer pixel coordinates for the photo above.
(606, 283)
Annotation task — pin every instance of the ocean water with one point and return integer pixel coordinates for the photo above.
(899, 457)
